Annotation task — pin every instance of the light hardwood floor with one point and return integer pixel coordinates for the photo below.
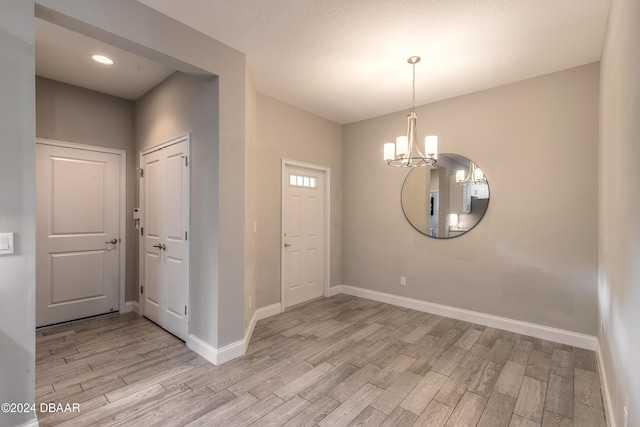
(332, 362)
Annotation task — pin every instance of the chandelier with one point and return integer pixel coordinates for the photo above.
(475, 176)
(406, 152)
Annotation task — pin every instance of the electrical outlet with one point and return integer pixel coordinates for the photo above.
(403, 281)
(626, 418)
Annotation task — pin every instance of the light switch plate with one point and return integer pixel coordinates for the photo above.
(6, 243)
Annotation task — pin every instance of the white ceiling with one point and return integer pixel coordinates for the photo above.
(345, 60)
(65, 56)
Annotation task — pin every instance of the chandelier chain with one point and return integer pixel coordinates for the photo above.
(413, 99)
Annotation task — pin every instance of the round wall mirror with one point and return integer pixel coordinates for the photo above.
(447, 199)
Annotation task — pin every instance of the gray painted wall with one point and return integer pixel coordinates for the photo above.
(288, 132)
(17, 208)
(533, 256)
(70, 113)
(251, 179)
(619, 223)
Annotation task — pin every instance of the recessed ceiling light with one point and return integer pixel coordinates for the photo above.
(101, 59)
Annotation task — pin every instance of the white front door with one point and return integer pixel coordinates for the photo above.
(77, 233)
(303, 235)
(165, 222)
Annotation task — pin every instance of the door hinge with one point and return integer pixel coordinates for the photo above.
(142, 289)
(185, 235)
(140, 172)
(185, 310)
(142, 231)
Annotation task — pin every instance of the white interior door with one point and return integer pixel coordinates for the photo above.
(78, 240)
(165, 222)
(303, 235)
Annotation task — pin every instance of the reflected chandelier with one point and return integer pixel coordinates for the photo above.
(475, 176)
(406, 152)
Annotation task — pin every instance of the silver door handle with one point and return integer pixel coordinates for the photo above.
(160, 246)
(286, 245)
(112, 241)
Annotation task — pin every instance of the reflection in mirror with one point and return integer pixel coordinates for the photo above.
(447, 199)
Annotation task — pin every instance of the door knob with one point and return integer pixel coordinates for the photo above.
(160, 246)
(112, 241)
(286, 245)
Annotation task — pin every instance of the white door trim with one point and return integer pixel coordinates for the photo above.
(183, 137)
(326, 223)
(123, 202)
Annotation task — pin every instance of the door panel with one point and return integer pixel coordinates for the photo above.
(151, 205)
(173, 221)
(78, 212)
(151, 292)
(175, 225)
(310, 266)
(175, 297)
(166, 216)
(152, 202)
(309, 216)
(86, 178)
(76, 276)
(295, 217)
(294, 268)
(303, 238)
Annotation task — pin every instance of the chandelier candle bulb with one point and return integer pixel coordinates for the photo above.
(402, 145)
(431, 146)
(389, 151)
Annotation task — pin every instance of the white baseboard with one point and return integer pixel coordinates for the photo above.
(604, 386)
(259, 314)
(525, 328)
(268, 311)
(217, 356)
(131, 306)
(249, 331)
(335, 290)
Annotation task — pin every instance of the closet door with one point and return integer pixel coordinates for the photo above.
(165, 222)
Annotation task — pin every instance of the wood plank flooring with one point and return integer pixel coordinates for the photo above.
(339, 361)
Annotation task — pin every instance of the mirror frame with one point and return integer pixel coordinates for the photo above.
(437, 237)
